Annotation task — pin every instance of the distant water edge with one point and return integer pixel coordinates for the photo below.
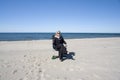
(46, 36)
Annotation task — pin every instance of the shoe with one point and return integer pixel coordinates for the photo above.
(61, 60)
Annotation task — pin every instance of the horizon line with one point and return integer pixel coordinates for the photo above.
(62, 32)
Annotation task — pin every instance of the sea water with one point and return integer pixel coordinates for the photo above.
(46, 36)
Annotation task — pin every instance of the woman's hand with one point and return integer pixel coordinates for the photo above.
(65, 45)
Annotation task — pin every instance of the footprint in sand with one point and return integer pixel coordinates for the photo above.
(57, 78)
(5, 64)
(39, 70)
(20, 79)
(65, 78)
(14, 71)
(38, 65)
(25, 55)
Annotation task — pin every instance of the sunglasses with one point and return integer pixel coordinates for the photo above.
(58, 33)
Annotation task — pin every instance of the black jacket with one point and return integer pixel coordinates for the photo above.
(57, 41)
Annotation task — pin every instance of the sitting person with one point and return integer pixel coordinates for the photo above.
(58, 44)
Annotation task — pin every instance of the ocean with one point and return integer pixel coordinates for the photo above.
(47, 36)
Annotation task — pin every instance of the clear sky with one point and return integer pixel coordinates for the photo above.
(65, 15)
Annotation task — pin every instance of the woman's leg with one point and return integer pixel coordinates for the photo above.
(60, 55)
(62, 50)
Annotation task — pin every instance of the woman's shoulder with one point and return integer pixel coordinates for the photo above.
(54, 37)
(61, 36)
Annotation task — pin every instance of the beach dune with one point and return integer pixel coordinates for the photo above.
(87, 59)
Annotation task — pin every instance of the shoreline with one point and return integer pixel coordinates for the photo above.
(64, 38)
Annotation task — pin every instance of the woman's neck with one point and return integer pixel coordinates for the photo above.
(57, 36)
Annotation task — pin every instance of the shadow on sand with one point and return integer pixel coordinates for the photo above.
(70, 55)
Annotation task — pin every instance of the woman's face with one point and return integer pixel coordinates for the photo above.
(58, 34)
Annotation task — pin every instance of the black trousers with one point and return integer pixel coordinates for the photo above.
(62, 50)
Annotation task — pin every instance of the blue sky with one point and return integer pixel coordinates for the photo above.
(65, 15)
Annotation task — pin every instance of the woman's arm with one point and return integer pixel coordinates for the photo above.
(63, 41)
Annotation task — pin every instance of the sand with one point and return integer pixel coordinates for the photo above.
(87, 59)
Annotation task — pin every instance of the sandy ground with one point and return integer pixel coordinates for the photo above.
(87, 59)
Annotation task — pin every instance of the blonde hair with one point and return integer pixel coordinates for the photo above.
(58, 32)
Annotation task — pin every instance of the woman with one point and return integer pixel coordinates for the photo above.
(58, 44)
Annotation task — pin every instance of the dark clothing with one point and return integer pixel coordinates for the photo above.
(58, 46)
(58, 41)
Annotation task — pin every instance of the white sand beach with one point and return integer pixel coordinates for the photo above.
(88, 59)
